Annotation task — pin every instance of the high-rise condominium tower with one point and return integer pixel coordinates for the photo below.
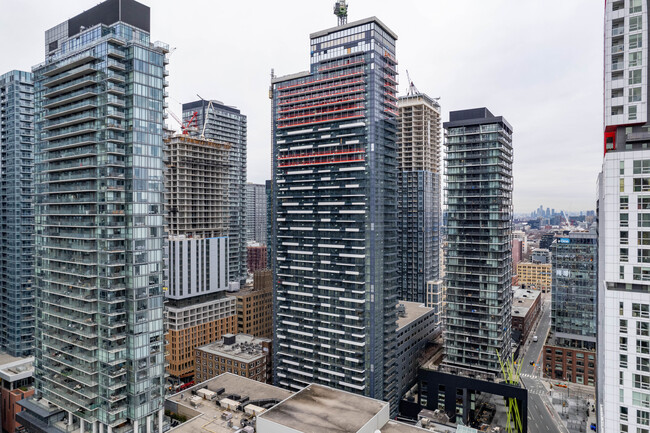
(256, 213)
(16, 212)
(335, 214)
(419, 195)
(198, 213)
(226, 124)
(623, 348)
(99, 220)
(479, 234)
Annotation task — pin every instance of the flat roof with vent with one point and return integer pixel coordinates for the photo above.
(320, 409)
(413, 310)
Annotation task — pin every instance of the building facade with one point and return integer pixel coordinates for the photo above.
(335, 204)
(419, 194)
(255, 306)
(526, 308)
(99, 100)
(256, 213)
(240, 354)
(198, 310)
(623, 303)
(573, 307)
(479, 249)
(224, 124)
(17, 213)
(256, 256)
(517, 252)
(416, 326)
(538, 276)
(16, 385)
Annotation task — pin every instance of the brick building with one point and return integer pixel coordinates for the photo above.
(255, 306)
(535, 276)
(256, 257)
(526, 308)
(241, 354)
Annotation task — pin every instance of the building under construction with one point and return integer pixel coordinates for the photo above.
(198, 311)
(196, 185)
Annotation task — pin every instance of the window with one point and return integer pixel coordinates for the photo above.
(624, 237)
(643, 202)
(641, 310)
(636, 23)
(622, 343)
(634, 76)
(641, 274)
(643, 329)
(635, 6)
(642, 184)
(634, 95)
(624, 203)
(622, 326)
(635, 59)
(621, 168)
(623, 413)
(643, 364)
(643, 417)
(643, 256)
(641, 166)
(620, 378)
(625, 220)
(622, 361)
(643, 220)
(621, 185)
(621, 310)
(641, 381)
(643, 238)
(624, 253)
(640, 399)
(643, 346)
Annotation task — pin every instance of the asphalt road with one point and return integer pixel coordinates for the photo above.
(541, 417)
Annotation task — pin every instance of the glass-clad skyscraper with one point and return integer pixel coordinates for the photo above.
(16, 212)
(479, 233)
(99, 98)
(335, 214)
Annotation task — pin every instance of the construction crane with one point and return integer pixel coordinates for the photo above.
(341, 11)
(186, 127)
(205, 115)
(412, 90)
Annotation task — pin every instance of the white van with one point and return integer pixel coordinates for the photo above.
(535, 339)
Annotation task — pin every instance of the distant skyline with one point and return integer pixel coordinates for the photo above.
(539, 64)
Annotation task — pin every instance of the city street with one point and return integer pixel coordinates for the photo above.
(541, 416)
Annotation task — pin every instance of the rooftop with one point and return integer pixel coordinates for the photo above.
(240, 347)
(414, 310)
(319, 409)
(13, 368)
(522, 300)
(207, 414)
(354, 24)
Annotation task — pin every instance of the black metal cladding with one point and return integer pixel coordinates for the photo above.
(110, 12)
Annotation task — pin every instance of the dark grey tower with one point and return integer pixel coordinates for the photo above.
(479, 232)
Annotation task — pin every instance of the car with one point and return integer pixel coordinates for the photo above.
(532, 362)
(535, 339)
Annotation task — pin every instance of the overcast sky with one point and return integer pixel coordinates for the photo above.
(539, 63)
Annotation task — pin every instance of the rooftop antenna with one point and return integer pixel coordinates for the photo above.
(341, 11)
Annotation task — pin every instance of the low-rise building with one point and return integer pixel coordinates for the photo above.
(241, 354)
(255, 306)
(541, 255)
(16, 376)
(195, 322)
(229, 403)
(536, 276)
(416, 325)
(526, 308)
